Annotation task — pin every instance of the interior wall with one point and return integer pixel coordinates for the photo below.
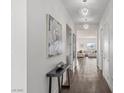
(38, 62)
(82, 43)
(107, 19)
(19, 46)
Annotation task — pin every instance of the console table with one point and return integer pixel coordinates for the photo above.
(58, 74)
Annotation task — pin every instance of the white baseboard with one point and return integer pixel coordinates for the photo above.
(110, 84)
(109, 81)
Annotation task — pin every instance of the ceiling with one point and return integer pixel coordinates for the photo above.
(86, 34)
(95, 10)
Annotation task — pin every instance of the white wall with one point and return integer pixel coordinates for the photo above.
(84, 41)
(107, 19)
(38, 63)
(19, 47)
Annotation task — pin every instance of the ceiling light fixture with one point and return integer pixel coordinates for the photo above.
(84, 11)
(84, 0)
(85, 26)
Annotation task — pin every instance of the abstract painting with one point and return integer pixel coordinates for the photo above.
(54, 36)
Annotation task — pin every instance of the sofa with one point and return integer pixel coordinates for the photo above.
(92, 54)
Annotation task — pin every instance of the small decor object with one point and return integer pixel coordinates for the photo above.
(54, 36)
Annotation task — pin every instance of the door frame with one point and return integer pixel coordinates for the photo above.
(104, 58)
(101, 46)
(106, 53)
(68, 44)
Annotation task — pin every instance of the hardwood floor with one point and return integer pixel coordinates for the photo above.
(87, 78)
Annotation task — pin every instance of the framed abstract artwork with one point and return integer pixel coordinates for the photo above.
(54, 37)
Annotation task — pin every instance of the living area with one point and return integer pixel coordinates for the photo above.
(87, 43)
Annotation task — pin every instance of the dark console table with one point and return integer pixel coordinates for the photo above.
(59, 73)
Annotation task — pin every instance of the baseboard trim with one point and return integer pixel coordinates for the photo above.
(108, 83)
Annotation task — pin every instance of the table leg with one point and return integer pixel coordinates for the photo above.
(50, 84)
(62, 80)
(59, 86)
(68, 77)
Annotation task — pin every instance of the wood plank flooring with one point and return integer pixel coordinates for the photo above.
(87, 78)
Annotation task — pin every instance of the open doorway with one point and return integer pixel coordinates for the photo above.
(87, 44)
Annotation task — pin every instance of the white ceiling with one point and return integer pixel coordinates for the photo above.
(95, 10)
(86, 34)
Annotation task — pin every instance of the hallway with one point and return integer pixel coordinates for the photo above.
(46, 33)
(87, 78)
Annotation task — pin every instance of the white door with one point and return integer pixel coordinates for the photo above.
(105, 54)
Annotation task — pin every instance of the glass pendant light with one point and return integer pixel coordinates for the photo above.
(85, 26)
(84, 11)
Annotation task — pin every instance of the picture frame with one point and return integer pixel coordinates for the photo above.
(54, 36)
